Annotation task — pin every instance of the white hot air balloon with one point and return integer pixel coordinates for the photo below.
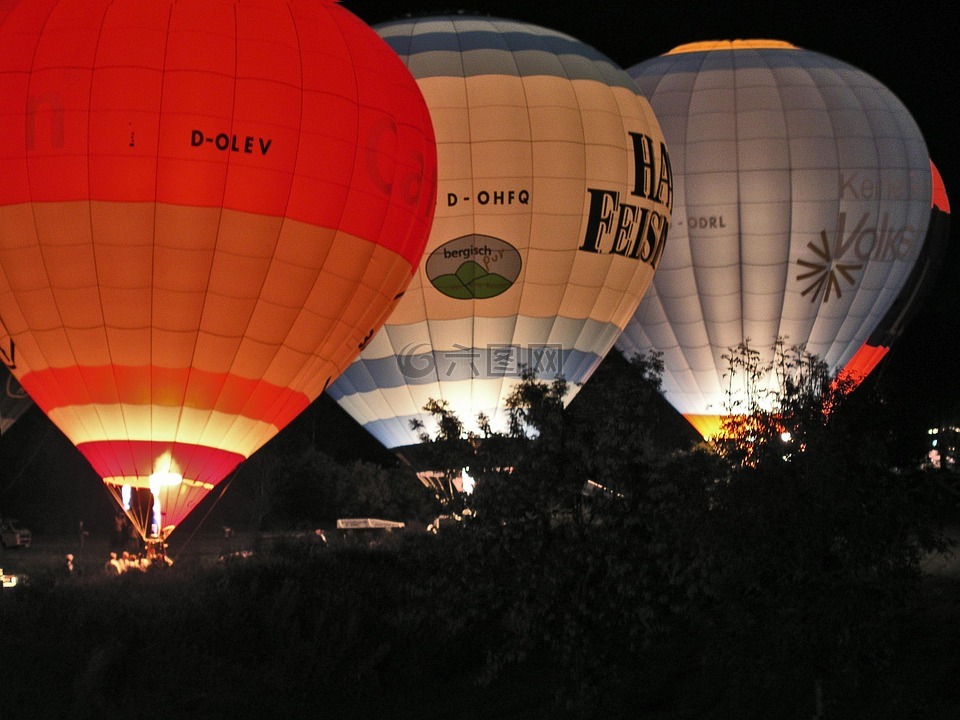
(802, 190)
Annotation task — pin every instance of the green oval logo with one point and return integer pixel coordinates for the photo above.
(474, 267)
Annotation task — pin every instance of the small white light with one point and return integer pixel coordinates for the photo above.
(468, 482)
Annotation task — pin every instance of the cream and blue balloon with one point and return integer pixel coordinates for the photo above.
(802, 198)
(554, 205)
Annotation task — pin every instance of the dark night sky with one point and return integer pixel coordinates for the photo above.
(908, 46)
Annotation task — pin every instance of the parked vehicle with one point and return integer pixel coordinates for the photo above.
(12, 535)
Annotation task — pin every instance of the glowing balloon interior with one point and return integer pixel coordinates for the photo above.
(802, 190)
(206, 209)
(554, 199)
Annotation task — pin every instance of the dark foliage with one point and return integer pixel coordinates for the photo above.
(612, 567)
(308, 487)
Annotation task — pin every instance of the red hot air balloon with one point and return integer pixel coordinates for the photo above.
(206, 208)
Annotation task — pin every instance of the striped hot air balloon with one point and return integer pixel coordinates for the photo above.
(802, 190)
(554, 198)
(206, 208)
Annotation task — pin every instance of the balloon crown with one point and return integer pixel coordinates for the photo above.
(709, 45)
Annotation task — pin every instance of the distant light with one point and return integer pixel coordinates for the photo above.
(786, 436)
(468, 482)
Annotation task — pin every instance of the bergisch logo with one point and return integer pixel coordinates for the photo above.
(474, 267)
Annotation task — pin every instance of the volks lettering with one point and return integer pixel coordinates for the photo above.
(880, 243)
(840, 246)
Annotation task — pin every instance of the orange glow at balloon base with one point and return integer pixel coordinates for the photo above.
(709, 426)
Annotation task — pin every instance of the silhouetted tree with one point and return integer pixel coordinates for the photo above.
(817, 537)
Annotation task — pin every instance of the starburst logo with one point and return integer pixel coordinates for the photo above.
(824, 274)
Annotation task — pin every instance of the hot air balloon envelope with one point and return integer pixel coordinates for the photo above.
(554, 203)
(205, 211)
(802, 190)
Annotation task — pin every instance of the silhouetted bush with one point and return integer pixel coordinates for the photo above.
(769, 580)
